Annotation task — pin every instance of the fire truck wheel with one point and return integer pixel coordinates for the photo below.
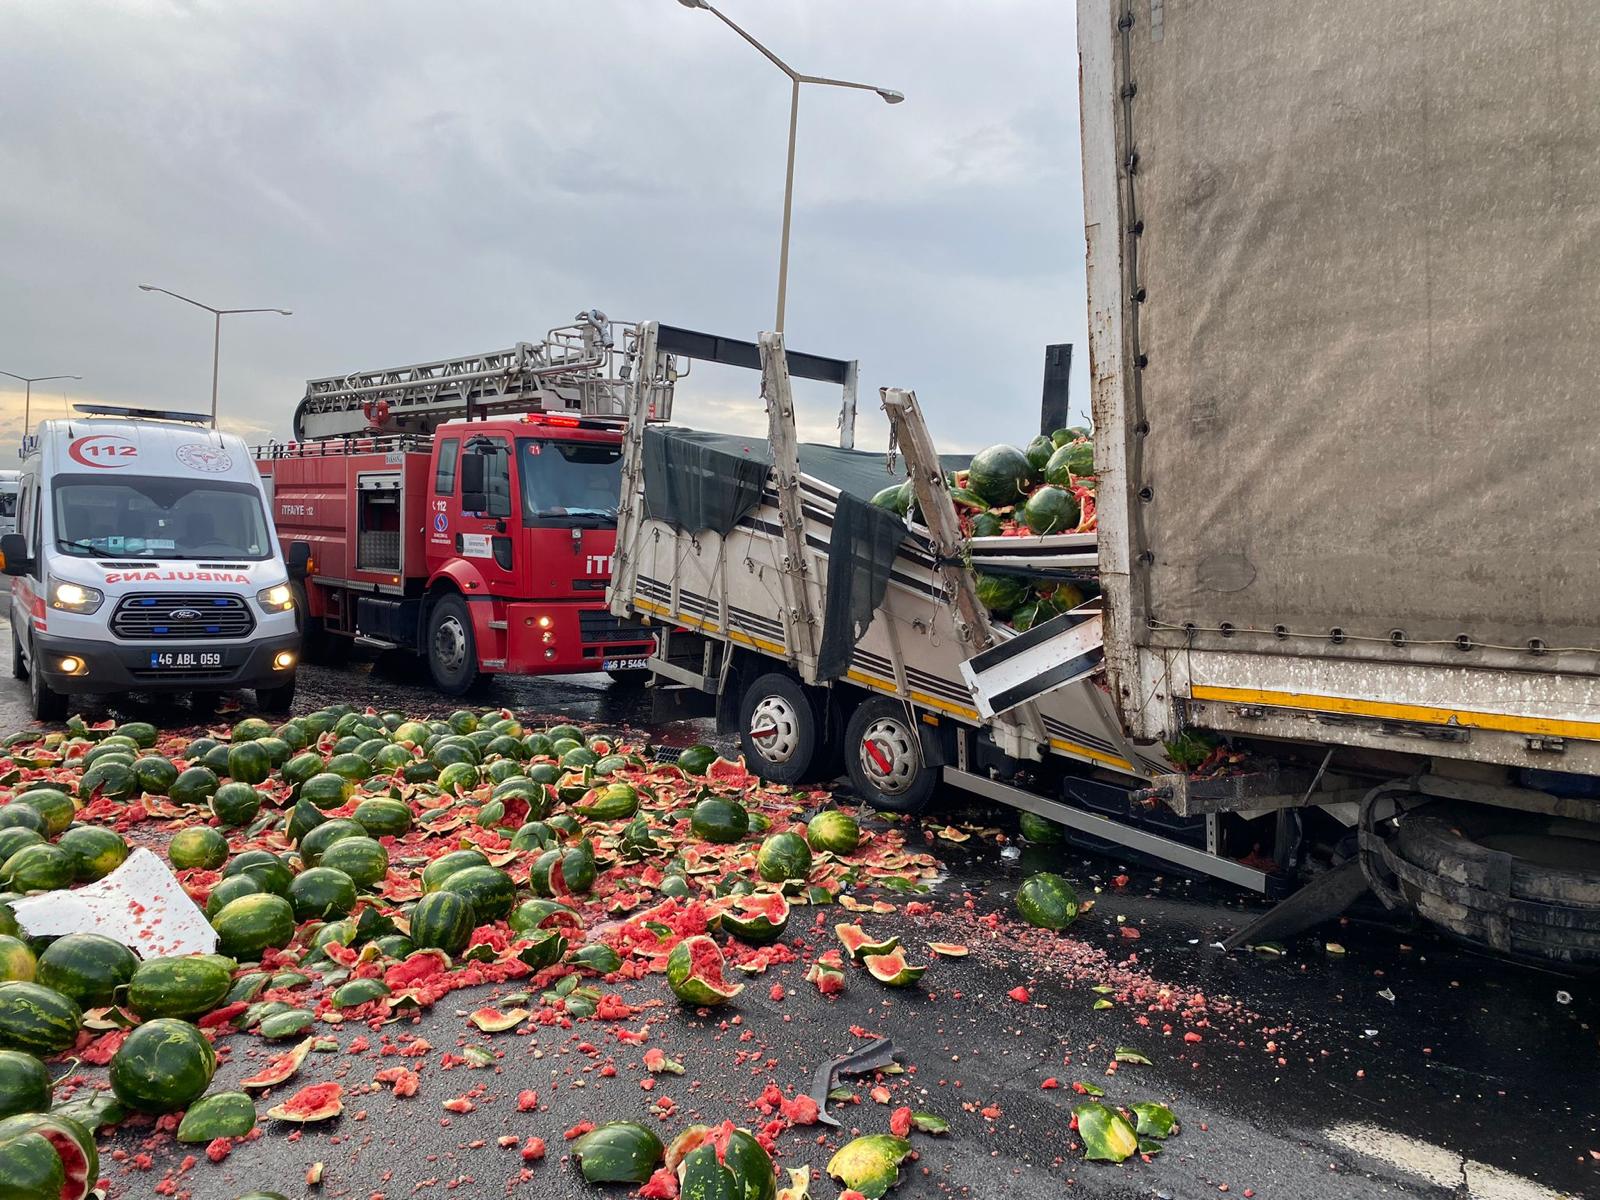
(19, 668)
(452, 652)
(885, 757)
(777, 729)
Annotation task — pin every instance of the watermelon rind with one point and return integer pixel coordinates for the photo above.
(221, 1114)
(695, 987)
(870, 1164)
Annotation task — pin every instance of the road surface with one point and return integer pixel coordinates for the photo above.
(1403, 1067)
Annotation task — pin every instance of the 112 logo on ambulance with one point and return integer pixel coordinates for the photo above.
(102, 450)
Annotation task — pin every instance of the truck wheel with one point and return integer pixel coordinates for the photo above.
(885, 759)
(452, 650)
(777, 729)
(47, 705)
(19, 667)
(276, 699)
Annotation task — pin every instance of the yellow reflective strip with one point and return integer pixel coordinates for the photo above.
(1100, 756)
(883, 685)
(732, 634)
(1422, 713)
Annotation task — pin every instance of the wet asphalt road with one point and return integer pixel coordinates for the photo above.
(1404, 1067)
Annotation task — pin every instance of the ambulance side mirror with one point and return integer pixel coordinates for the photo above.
(299, 558)
(14, 549)
(474, 495)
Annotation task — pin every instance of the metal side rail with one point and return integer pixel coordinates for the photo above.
(1187, 858)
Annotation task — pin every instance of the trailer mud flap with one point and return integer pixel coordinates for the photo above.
(1053, 655)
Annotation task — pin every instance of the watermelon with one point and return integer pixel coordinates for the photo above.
(162, 1066)
(717, 820)
(414, 732)
(384, 818)
(757, 919)
(858, 945)
(198, 846)
(301, 768)
(322, 892)
(696, 759)
(363, 859)
(155, 774)
(535, 835)
(357, 992)
(722, 1162)
(783, 856)
(292, 734)
(189, 986)
(622, 1152)
(231, 889)
(488, 889)
(14, 816)
(1038, 830)
(16, 960)
(1047, 901)
(14, 838)
(443, 920)
(25, 1084)
(613, 802)
(694, 973)
(559, 872)
(86, 968)
(267, 868)
(194, 786)
(37, 1019)
(349, 766)
(318, 1102)
(39, 868)
(314, 844)
(1050, 510)
(558, 733)
(446, 865)
(222, 1114)
(892, 969)
(34, 1170)
(833, 831)
(988, 524)
(896, 498)
(96, 851)
(327, 790)
(1038, 453)
(949, 949)
(1000, 475)
(251, 924)
(215, 759)
(249, 729)
(458, 777)
(236, 804)
(110, 778)
(1000, 593)
(140, 733)
(56, 807)
(870, 1164)
(249, 762)
(73, 1145)
(578, 758)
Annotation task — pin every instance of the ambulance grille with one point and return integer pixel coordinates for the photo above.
(162, 616)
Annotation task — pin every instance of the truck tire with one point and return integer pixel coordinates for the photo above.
(452, 650)
(777, 728)
(886, 758)
(47, 705)
(276, 699)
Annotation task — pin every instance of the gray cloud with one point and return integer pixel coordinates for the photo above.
(419, 179)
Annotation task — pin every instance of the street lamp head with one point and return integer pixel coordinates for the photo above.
(283, 312)
(693, 3)
(890, 96)
(145, 287)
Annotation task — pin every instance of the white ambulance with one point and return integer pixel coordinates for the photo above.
(145, 559)
(10, 485)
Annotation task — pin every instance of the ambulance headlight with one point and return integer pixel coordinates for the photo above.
(277, 598)
(74, 597)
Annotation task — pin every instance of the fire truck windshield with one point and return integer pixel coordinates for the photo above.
(148, 517)
(569, 483)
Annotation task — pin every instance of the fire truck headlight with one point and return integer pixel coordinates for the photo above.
(545, 622)
(74, 597)
(550, 653)
(277, 598)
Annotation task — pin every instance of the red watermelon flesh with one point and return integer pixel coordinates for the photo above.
(317, 1102)
(729, 772)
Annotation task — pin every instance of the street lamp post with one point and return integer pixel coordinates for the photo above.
(889, 96)
(27, 402)
(216, 335)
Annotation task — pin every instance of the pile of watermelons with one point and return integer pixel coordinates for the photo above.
(356, 866)
(1046, 488)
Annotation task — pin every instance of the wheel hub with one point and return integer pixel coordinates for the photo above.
(450, 644)
(775, 729)
(889, 756)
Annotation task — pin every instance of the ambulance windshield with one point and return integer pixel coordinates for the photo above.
(145, 517)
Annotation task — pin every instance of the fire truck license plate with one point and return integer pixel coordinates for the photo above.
(626, 664)
(184, 660)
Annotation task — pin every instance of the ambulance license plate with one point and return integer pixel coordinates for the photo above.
(626, 664)
(185, 660)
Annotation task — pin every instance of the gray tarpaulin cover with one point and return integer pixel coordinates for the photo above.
(695, 481)
(1371, 249)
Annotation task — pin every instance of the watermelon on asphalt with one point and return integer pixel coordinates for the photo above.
(1047, 901)
(694, 973)
(96, 851)
(17, 961)
(221, 1114)
(717, 820)
(758, 918)
(251, 924)
(199, 846)
(833, 831)
(196, 785)
(318, 893)
(443, 920)
(39, 868)
(488, 889)
(363, 859)
(162, 1066)
(25, 1084)
(187, 986)
(86, 968)
(696, 759)
(236, 804)
(54, 805)
(229, 890)
(37, 1019)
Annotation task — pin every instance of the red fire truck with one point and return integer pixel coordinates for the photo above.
(465, 509)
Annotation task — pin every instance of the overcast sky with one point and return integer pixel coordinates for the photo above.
(422, 179)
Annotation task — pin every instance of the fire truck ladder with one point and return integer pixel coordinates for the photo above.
(581, 369)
